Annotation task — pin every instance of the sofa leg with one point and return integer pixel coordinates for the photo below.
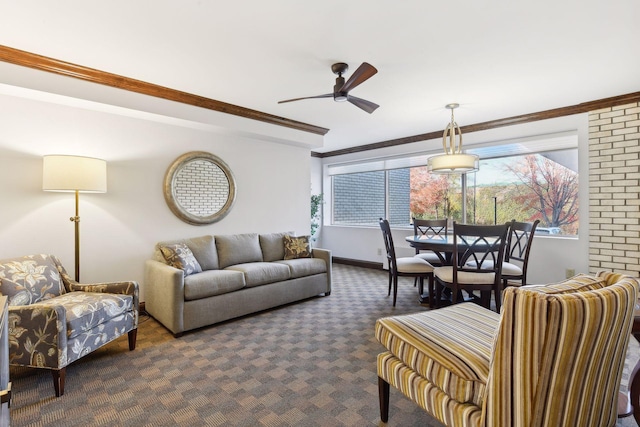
(133, 334)
(58, 380)
(383, 395)
(326, 294)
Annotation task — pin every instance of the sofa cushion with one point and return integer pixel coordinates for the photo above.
(86, 310)
(261, 273)
(180, 256)
(450, 347)
(302, 267)
(30, 279)
(273, 246)
(296, 247)
(238, 249)
(212, 282)
(203, 248)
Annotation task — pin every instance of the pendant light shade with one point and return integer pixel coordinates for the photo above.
(453, 160)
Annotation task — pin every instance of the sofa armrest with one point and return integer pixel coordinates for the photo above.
(34, 338)
(324, 254)
(164, 294)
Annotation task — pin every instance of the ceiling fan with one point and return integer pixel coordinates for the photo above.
(341, 89)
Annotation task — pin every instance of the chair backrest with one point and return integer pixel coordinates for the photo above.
(520, 239)
(429, 228)
(479, 248)
(559, 352)
(32, 278)
(388, 244)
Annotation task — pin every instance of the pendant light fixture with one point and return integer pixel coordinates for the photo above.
(453, 160)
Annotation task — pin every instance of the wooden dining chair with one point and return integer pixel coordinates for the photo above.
(476, 263)
(405, 266)
(517, 249)
(430, 228)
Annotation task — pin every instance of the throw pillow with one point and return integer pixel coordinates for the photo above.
(296, 247)
(180, 256)
(29, 279)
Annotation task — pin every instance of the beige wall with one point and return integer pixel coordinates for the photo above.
(118, 229)
(614, 189)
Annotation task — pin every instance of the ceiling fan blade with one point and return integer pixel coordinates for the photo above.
(367, 106)
(326, 95)
(364, 72)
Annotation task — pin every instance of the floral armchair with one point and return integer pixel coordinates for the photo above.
(54, 321)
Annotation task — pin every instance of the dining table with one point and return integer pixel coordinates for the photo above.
(442, 245)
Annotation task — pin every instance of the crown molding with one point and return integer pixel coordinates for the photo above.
(43, 63)
(585, 107)
(51, 65)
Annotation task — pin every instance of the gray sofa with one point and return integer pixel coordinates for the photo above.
(234, 275)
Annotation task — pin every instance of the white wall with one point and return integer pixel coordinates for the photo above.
(550, 257)
(119, 228)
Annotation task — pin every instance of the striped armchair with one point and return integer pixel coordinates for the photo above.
(554, 357)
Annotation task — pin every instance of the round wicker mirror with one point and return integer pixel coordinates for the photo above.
(199, 188)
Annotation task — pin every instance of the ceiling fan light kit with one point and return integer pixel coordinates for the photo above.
(453, 160)
(341, 89)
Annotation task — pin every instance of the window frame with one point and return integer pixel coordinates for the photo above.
(557, 141)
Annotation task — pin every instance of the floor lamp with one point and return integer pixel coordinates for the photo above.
(74, 174)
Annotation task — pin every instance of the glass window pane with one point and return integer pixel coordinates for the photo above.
(359, 198)
(524, 187)
(540, 186)
(435, 196)
(399, 196)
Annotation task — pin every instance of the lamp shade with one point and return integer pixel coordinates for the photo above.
(453, 163)
(74, 173)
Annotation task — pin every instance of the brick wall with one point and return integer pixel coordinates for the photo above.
(614, 189)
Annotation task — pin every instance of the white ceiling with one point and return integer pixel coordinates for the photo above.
(497, 58)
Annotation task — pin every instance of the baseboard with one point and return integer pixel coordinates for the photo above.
(358, 263)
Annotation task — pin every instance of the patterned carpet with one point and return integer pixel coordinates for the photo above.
(306, 364)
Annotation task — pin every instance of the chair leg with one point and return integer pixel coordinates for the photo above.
(390, 279)
(133, 334)
(421, 285)
(498, 295)
(454, 295)
(383, 396)
(58, 380)
(395, 289)
(431, 290)
(485, 299)
(438, 294)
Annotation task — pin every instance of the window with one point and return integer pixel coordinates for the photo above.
(535, 178)
(359, 198)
